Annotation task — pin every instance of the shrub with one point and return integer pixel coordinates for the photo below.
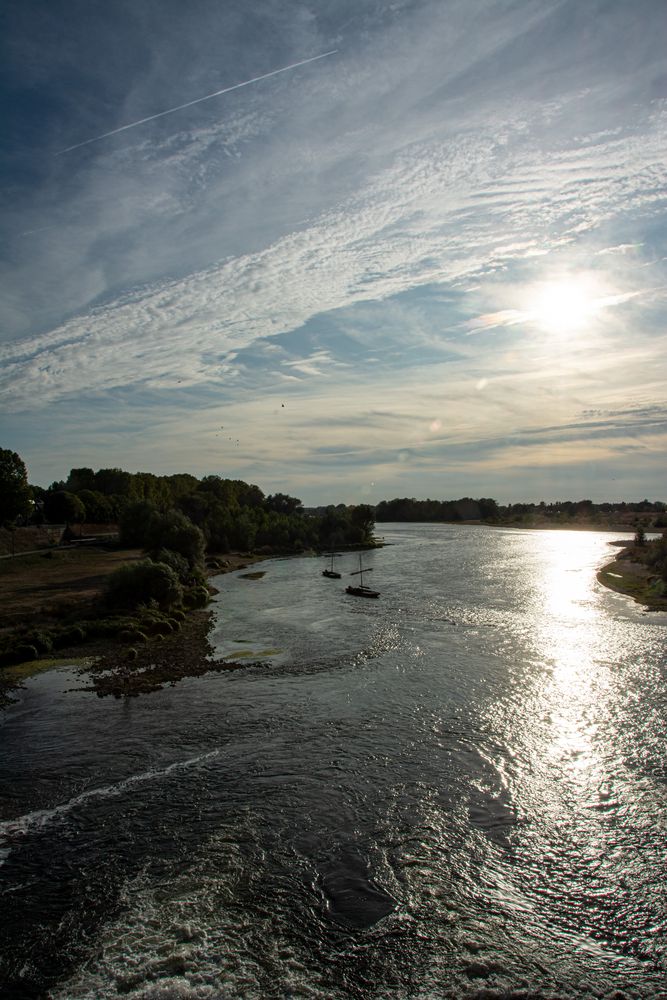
(656, 556)
(133, 635)
(161, 628)
(103, 628)
(42, 641)
(72, 636)
(22, 653)
(132, 585)
(134, 522)
(61, 506)
(178, 563)
(174, 531)
(26, 653)
(196, 597)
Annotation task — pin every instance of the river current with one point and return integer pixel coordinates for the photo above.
(457, 790)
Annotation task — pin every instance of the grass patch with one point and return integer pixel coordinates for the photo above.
(633, 580)
(245, 654)
(13, 678)
(22, 671)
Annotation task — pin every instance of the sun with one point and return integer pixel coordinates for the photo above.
(563, 306)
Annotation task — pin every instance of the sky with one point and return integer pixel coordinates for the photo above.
(348, 249)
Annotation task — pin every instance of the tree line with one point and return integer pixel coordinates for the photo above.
(233, 515)
(180, 513)
(409, 509)
(488, 510)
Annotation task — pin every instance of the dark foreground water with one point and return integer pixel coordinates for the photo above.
(459, 788)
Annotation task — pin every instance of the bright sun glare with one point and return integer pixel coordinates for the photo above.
(563, 306)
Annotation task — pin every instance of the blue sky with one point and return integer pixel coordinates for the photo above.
(430, 263)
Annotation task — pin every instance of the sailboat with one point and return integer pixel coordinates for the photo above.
(361, 591)
(331, 573)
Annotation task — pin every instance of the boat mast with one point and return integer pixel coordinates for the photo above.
(360, 572)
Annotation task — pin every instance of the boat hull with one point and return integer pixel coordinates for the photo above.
(362, 592)
(331, 574)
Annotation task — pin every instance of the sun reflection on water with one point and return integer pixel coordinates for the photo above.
(571, 769)
(576, 682)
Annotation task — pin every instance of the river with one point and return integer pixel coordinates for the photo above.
(457, 790)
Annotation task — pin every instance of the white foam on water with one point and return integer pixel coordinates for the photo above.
(186, 936)
(12, 829)
(174, 989)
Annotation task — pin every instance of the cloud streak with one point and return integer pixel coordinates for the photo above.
(197, 100)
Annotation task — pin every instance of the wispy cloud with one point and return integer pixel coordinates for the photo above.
(316, 364)
(504, 317)
(622, 248)
(339, 240)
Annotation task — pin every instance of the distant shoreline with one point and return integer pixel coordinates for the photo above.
(607, 528)
(520, 526)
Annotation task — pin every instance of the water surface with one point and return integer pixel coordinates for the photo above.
(461, 786)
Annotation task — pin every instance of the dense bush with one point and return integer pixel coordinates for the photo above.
(197, 597)
(98, 508)
(106, 628)
(21, 653)
(135, 584)
(61, 507)
(160, 628)
(178, 563)
(132, 635)
(41, 639)
(176, 532)
(134, 523)
(656, 555)
(72, 636)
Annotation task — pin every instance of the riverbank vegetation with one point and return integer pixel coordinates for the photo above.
(640, 571)
(560, 514)
(62, 606)
(131, 557)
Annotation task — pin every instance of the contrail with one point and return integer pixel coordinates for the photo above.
(198, 100)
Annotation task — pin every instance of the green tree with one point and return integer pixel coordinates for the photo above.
(333, 528)
(135, 521)
(80, 479)
(97, 507)
(173, 530)
(114, 482)
(140, 582)
(63, 507)
(14, 490)
(282, 503)
(362, 518)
